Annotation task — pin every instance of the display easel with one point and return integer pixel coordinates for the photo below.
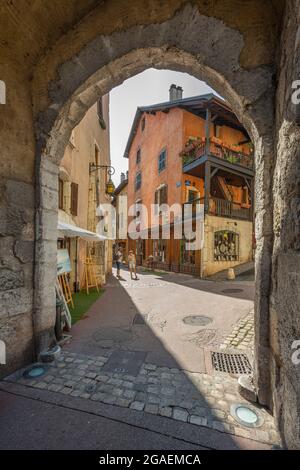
(65, 286)
(66, 310)
(89, 278)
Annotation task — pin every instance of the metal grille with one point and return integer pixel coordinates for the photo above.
(231, 363)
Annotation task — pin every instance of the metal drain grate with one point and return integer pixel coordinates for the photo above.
(231, 363)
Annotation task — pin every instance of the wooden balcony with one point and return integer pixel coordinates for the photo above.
(223, 208)
(195, 151)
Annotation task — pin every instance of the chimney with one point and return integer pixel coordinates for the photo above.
(122, 177)
(179, 93)
(173, 92)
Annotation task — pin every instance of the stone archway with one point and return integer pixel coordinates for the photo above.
(243, 51)
(81, 80)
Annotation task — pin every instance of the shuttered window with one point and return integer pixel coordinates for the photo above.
(162, 161)
(161, 197)
(74, 198)
(138, 181)
(60, 194)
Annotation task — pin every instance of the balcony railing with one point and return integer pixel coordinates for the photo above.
(222, 208)
(197, 149)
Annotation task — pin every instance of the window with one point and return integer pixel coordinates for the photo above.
(60, 194)
(138, 181)
(100, 113)
(143, 124)
(160, 197)
(159, 249)
(162, 161)
(245, 198)
(74, 198)
(226, 246)
(192, 195)
(187, 254)
(217, 131)
(138, 156)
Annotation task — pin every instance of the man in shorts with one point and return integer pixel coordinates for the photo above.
(132, 264)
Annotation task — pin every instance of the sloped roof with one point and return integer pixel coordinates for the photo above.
(196, 105)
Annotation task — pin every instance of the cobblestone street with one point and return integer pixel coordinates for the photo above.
(134, 350)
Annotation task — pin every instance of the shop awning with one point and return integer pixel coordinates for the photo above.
(69, 230)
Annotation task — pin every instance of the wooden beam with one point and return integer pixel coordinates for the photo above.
(207, 131)
(207, 186)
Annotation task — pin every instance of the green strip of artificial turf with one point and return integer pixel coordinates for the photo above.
(82, 303)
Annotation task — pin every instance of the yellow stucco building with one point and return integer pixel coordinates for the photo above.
(82, 189)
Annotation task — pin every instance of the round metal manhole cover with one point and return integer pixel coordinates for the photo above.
(246, 415)
(232, 291)
(34, 371)
(197, 320)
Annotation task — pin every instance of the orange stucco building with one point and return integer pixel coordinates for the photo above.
(186, 151)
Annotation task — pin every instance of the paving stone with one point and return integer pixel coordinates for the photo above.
(167, 390)
(153, 389)
(151, 408)
(117, 392)
(149, 366)
(85, 395)
(129, 394)
(141, 396)
(198, 420)
(153, 399)
(127, 384)
(218, 413)
(166, 411)
(180, 414)
(123, 402)
(54, 387)
(109, 399)
(115, 381)
(91, 375)
(98, 396)
(137, 405)
(42, 385)
(102, 378)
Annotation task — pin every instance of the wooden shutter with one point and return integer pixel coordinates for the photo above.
(164, 195)
(74, 198)
(60, 194)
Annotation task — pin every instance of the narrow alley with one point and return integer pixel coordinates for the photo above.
(142, 356)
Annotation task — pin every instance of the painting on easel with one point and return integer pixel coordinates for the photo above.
(63, 262)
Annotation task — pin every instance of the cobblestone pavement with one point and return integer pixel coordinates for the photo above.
(242, 335)
(196, 398)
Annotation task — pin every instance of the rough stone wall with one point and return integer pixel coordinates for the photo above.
(17, 196)
(69, 71)
(285, 295)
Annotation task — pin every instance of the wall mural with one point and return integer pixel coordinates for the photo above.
(226, 246)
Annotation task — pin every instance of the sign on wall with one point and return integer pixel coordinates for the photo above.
(63, 262)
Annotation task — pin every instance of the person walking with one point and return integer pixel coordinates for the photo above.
(132, 264)
(119, 259)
